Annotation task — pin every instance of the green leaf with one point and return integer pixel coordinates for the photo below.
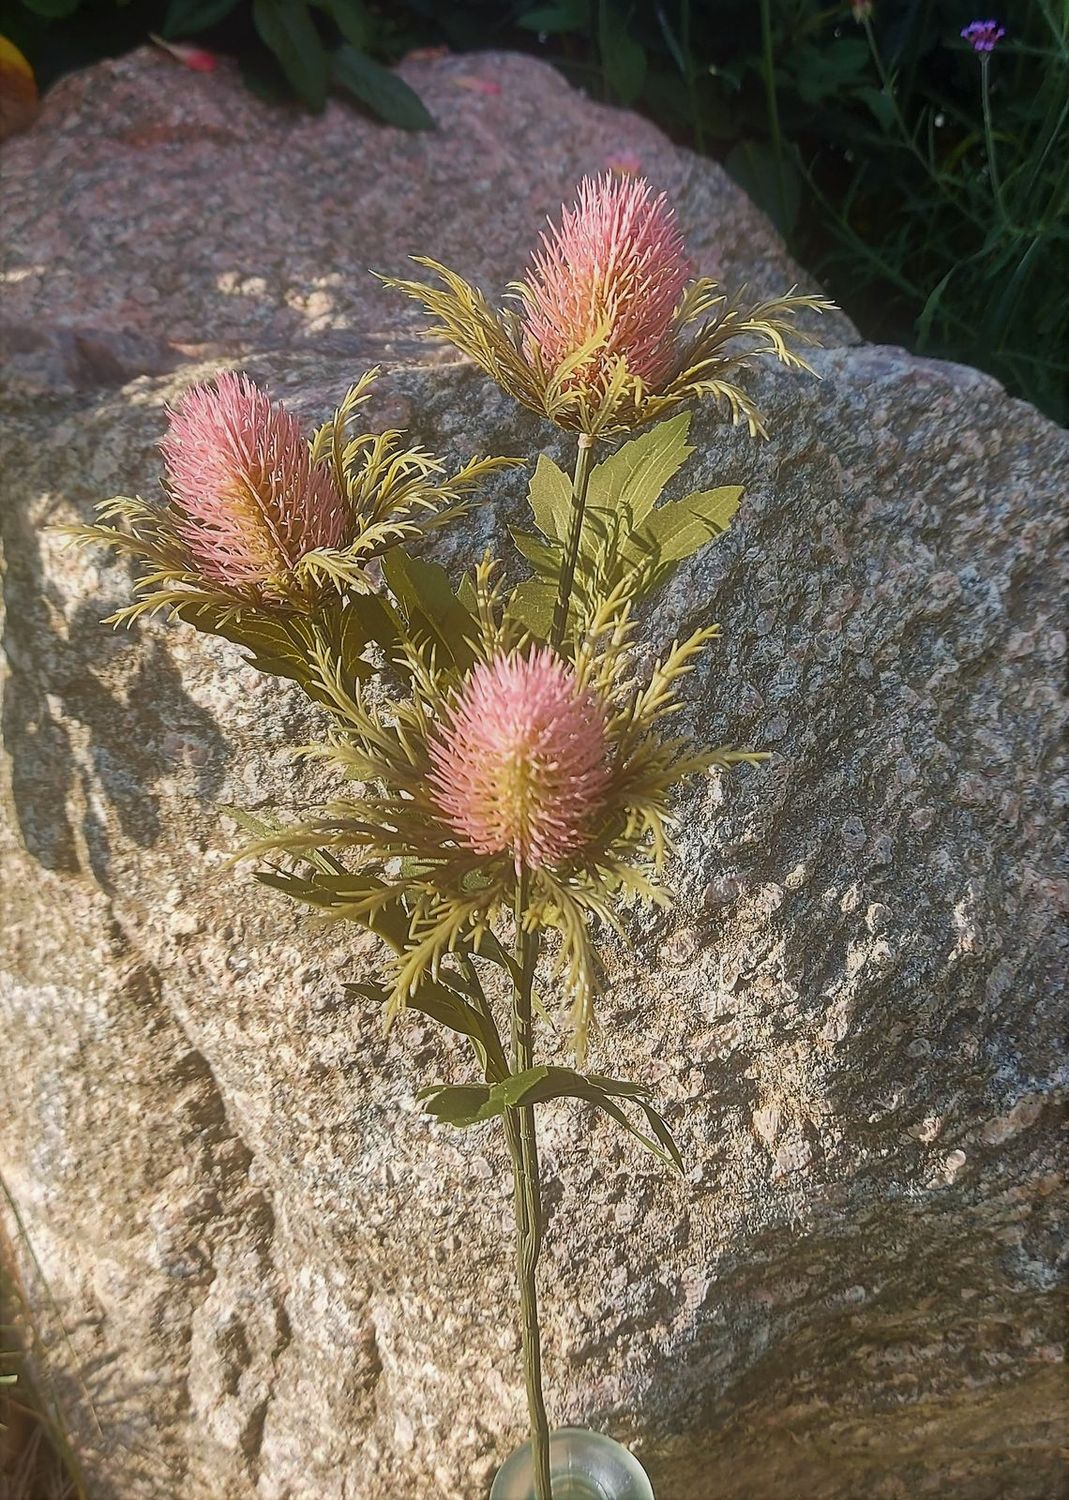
(384, 92)
(188, 17)
(634, 477)
(532, 605)
(52, 9)
(358, 619)
(287, 29)
(566, 15)
(426, 597)
(681, 527)
(544, 559)
(332, 892)
(880, 103)
(281, 645)
(550, 498)
(471, 1105)
(771, 181)
(623, 61)
(821, 71)
(352, 19)
(442, 1004)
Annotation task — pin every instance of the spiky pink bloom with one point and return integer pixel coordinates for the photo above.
(521, 764)
(240, 471)
(617, 260)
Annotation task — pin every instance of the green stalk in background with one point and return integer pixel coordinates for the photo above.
(989, 136)
(768, 73)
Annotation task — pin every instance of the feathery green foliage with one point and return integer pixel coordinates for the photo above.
(718, 337)
(394, 493)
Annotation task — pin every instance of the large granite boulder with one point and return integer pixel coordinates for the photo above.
(277, 1278)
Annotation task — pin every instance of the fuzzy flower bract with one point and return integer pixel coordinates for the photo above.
(609, 334)
(259, 521)
(610, 276)
(505, 772)
(520, 764)
(241, 475)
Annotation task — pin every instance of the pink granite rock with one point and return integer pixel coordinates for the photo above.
(153, 208)
(279, 1280)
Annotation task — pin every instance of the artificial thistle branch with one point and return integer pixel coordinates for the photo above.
(506, 773)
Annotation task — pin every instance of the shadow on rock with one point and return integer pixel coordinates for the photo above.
(67, 729)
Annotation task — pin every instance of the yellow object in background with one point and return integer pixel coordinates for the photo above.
(18, 90)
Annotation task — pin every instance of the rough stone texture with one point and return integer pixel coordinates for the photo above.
(278, 1279)
(152, 209)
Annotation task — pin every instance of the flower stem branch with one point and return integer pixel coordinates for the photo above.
(523, 1148)
(989, 136)
(584, 461)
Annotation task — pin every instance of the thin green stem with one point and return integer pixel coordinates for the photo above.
(989, 135)
(523, 1149)
(769, 75)
(889, 93)
(688, 67)
(584, 460)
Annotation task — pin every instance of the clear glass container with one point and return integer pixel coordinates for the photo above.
(582, 1465)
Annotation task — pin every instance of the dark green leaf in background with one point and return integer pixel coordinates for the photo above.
(384, 92)
(188, 17)
(623, 61)
(52, 9)
(773, 183)
(352, 19)
(287, 28)
(566, 15)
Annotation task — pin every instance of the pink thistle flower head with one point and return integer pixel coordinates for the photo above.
(617, 264)
(240, 472)
(521, 763)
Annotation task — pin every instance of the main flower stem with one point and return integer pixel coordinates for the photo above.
(584, 462)
(523, 1148)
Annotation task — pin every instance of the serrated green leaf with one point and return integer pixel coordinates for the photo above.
(440, 1003)
(430, 607)
(281, 645)
(384, 92)
(550, 497)
(634, 477)
(544, 559)
(467, 595)
(330, 892)
(287, 29)
(678, 529)
(531, 604)
(457, 1104)
(471, 1105)
(188, 17)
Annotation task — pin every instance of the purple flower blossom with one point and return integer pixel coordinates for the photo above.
(982, 35)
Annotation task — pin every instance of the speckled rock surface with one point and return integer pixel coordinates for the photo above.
(279, 1280)
(153, 213)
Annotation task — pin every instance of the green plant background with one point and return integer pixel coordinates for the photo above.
(925, 185)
